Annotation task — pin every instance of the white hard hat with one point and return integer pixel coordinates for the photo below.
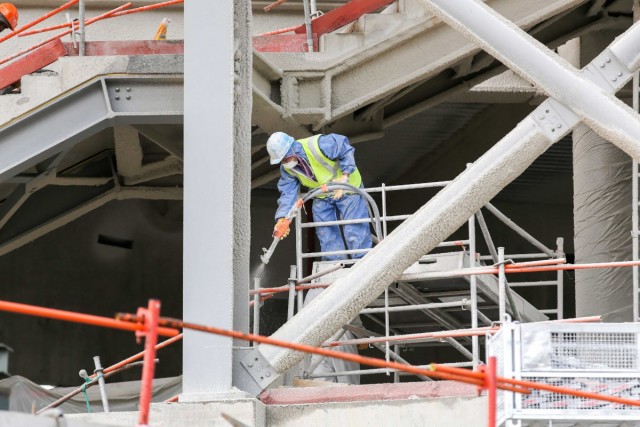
(278, 146)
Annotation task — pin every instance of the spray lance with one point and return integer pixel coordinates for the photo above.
(283, 225)
(280, 230)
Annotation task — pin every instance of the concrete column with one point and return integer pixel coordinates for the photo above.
(602, 225)
(602, 213)
(216, 187)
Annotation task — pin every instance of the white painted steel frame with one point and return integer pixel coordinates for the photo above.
(215, 291)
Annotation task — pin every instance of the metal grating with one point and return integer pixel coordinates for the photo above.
(620, 387)
(591, 358)
(588, 350)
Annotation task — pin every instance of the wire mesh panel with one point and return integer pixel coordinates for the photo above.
(594, 358)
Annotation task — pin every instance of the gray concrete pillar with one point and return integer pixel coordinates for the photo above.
(217, 126)
(602, 225)
(602, 208)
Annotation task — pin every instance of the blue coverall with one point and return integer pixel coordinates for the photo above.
(349, 206)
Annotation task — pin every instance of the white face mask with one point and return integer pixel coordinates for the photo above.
(290, 164)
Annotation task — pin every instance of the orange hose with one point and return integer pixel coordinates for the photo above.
(70, 316)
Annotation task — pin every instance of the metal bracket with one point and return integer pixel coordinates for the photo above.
(548, 117)
(606, 71)
(259, 368)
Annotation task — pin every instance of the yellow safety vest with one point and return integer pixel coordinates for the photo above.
(323, 168)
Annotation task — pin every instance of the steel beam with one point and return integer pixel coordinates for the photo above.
(430, 225)
(84, 111)
(588, 94)
(423, 49)
(216, 204)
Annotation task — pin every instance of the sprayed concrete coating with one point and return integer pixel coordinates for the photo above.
(216, 199)
(242, 161)
(602, 194)
(444, 412)
(320, 88)
(419, 234)
(603, 112)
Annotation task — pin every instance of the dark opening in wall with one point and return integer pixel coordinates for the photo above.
(115, 241)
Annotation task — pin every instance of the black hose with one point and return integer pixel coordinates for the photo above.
(372, 206)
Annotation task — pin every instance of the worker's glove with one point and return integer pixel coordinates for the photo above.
(342, 180)
(281, 229)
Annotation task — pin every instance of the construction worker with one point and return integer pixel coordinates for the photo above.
(8, 16)
(312, 162)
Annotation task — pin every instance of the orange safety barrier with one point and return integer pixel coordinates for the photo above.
(70, 316)
(435, 371)
(370, 361)
(114, 15)
(39, 20)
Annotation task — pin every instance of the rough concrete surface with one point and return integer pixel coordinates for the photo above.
(17, 419)
(445, 412)
(246, 412)
(370, 392)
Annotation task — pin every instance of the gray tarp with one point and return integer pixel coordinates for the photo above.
(26, 396)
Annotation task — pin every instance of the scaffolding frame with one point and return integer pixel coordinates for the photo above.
(412, 302)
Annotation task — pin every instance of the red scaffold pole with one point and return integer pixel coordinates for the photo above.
(491, 383)
(151, 315)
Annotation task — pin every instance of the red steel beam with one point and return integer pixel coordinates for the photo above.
(343, 15)
(134, 47)
(31, 63)
(64, 33)
(283, 43)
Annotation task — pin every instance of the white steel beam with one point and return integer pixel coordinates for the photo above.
(588, 94)
(217, 146)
